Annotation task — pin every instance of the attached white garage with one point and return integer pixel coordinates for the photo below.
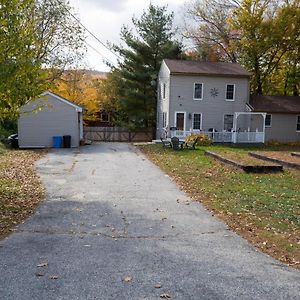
(48, 116)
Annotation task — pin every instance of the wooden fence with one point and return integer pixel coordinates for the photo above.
(118, 134)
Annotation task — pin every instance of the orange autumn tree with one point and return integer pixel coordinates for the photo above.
(79, 86)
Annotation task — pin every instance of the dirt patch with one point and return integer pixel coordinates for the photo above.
(242, 158)
(281, 155)
(287, 159)
(20, 187)
(245, 162)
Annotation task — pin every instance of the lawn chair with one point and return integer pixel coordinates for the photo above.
(176, 145)
(191, 145)
(166, 143)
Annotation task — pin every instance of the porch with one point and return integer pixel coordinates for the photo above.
(224, 137)
(247, 127)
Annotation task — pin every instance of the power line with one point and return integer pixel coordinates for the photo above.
(93, 35)
(99, 53)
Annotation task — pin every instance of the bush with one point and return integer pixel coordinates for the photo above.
(7, 128)
(203, 139)
(278, 143)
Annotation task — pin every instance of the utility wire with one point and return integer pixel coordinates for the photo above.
(99, 53)
(93, 35)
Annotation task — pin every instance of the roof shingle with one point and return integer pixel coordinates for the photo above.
(189, 67)
(276, 104)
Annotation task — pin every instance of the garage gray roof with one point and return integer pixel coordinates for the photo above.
(189, 67)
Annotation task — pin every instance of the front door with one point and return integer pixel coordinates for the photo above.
(180, 120)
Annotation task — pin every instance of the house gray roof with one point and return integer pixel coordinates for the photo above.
(189, 67)
(276, 104)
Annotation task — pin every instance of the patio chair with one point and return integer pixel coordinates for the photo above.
(176, 145)
(191, 145)
(166, 143)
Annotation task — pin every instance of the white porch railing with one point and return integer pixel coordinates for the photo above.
(224, 136)
(248, 137)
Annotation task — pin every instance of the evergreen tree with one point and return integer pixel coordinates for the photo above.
(141, 59)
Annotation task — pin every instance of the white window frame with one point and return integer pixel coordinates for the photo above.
(229, 114)
(197, 113)
(233, 92)
(202, 89)
(297, 122)
(268, 126)
(184, 119)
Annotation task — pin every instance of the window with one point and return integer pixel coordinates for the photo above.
(230, 91)
(197, 121)
(164, 119)
(268, 120)
(228, 122)
(104, 117)
(298, 123)
(198, 91)
(163, 90)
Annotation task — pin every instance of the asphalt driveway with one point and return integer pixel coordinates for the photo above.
(115, 227)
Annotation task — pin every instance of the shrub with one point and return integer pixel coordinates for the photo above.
(278, 143)
(7, 128)
(203, 139)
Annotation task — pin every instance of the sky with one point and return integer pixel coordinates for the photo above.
(104, 18)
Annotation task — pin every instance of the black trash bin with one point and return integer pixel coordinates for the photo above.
(67, 141)
(13, 140)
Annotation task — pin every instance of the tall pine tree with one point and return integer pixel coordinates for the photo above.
(141, 58)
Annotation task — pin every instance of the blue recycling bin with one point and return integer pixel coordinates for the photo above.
(57, 141)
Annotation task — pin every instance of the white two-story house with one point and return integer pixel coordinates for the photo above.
(198, 96)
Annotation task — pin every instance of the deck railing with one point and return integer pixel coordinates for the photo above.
(224, 136)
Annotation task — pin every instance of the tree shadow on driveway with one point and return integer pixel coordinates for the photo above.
(89, 247)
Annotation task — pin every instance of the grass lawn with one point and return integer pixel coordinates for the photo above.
(263, 208)
(20, 187)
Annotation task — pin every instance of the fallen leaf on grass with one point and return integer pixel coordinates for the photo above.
(127, 278)
(165, 296)
(43, 264)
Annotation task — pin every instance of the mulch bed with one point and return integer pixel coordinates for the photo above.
(280, 157)
(249, 167)
(297, 154)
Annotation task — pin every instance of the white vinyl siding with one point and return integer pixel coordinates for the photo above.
(230, 92)
(198, 91)
(55, 118)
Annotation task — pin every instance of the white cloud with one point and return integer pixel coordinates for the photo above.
(114, 5)
(105, 18)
